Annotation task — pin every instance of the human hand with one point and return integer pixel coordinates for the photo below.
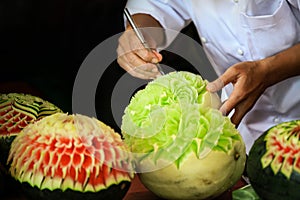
(135, 59)
(249, 81)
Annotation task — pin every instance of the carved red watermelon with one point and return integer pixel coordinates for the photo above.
(16, 112)
(71, 157)
(273, 164)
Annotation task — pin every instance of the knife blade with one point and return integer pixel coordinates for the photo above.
(140, 36)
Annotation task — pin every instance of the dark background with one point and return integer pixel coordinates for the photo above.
(43, 43)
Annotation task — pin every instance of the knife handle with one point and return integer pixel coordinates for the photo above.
(140, 36)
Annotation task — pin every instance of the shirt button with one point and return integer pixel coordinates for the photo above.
(240, 52)
(203, 39)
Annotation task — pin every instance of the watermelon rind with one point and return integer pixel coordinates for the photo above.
(70, 156)
(268, 177)
(113, 192)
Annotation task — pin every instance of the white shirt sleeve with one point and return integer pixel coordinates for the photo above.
(171, 14)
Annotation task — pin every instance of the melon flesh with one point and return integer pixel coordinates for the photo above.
(198, 178)
(62, 152)
(184, 148)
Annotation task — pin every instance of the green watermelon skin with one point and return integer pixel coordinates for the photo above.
(114, 192)
(66, 156)
(5, 143)
(17, 110)
(8, 184)
(267, 184)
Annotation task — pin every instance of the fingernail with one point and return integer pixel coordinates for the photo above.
(210, 87)
(154, 60)
(156, 76)
(223, 111)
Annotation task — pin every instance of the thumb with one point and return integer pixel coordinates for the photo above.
(158, 57)
(215, 86)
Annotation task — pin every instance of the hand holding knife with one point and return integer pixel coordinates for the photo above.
(140, 36)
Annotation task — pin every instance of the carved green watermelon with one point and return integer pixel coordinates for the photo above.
(71, 157)
(184, 148)
(16, 112)
(273, 165)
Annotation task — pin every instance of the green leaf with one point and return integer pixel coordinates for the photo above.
(245, 193)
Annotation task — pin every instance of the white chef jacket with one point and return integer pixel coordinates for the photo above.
(233, 31)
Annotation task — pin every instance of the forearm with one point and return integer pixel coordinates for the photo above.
(283, 65)
(147, 21)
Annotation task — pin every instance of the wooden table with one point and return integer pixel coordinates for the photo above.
(138, 192)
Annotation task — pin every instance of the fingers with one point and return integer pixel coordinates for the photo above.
(240, 111)
(237, 118)
(216, 85)
(229, 76)
(240, 104)
(135, 59)
(158, 57)
(234, 100)
(247, 88)
(137, 67)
